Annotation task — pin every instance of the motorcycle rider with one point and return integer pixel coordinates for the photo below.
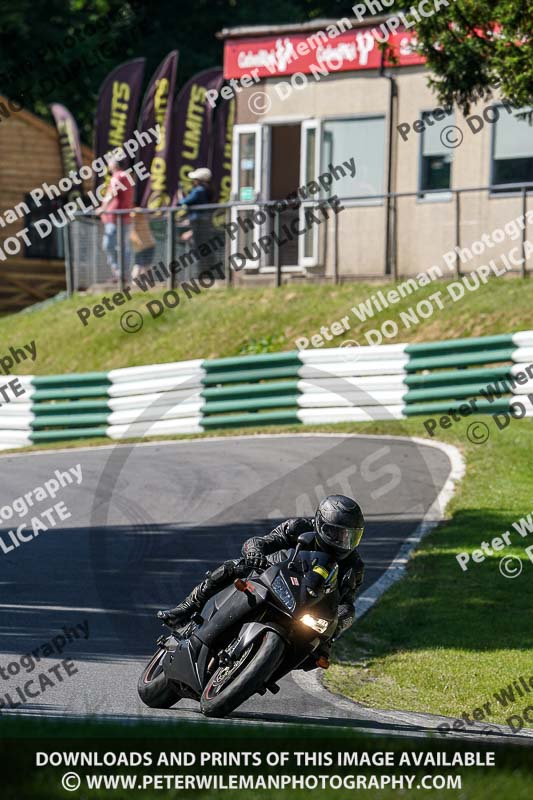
(338, 525)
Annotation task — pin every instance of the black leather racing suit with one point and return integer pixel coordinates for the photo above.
(351, 568)
(270, 547)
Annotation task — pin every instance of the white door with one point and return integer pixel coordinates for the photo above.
(309, 170)
(248, 175)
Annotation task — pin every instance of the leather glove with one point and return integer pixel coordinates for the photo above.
(255, 560)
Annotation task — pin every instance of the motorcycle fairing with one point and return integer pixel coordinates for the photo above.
(181, 664)
(189, 663)
(235, 606)
(251, 631)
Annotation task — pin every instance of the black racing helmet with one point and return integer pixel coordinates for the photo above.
(339, 525)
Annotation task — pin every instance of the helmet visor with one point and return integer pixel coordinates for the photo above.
(344, 539)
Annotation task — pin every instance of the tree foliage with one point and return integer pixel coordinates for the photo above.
(475, 46)
(61, 50)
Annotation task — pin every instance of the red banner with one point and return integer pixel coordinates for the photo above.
(313, 53)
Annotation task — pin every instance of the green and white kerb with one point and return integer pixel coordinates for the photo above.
(327, 385)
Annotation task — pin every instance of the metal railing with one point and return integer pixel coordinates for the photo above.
(496, 191)
(187, 246)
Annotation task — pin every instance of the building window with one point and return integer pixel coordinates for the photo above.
(512, 153)
(437, 143)
(355, 141)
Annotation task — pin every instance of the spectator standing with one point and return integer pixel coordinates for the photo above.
(119, 196)
(200, 220)
(143, 243)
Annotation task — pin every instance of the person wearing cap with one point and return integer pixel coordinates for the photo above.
(200, 220)
(200, 193)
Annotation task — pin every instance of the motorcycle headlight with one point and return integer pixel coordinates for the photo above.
(281, 590)
(317, 624)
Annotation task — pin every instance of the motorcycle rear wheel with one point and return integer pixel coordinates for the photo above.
(225, 692)
(153, 687)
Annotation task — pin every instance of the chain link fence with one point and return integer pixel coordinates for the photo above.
(143, 242)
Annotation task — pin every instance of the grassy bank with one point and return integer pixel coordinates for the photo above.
(220, 323)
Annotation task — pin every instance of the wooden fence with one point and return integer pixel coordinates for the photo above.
(27, 281)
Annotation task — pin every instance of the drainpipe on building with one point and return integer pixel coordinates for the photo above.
(390, 249)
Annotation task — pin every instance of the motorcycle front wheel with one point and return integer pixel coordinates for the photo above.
(153, 687)
(230, 686)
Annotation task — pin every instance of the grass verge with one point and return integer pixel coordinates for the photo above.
(221, 323)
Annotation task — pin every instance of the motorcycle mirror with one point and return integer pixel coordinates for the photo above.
(306, 538)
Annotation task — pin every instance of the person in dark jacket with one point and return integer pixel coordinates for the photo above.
(338, 525)
(200, 219)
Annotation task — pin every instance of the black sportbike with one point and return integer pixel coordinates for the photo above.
(249, 635)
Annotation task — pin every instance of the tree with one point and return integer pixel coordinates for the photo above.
(57, 51)
(62, 50)
(475, 46)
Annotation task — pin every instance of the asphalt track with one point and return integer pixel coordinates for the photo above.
(148, 520)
